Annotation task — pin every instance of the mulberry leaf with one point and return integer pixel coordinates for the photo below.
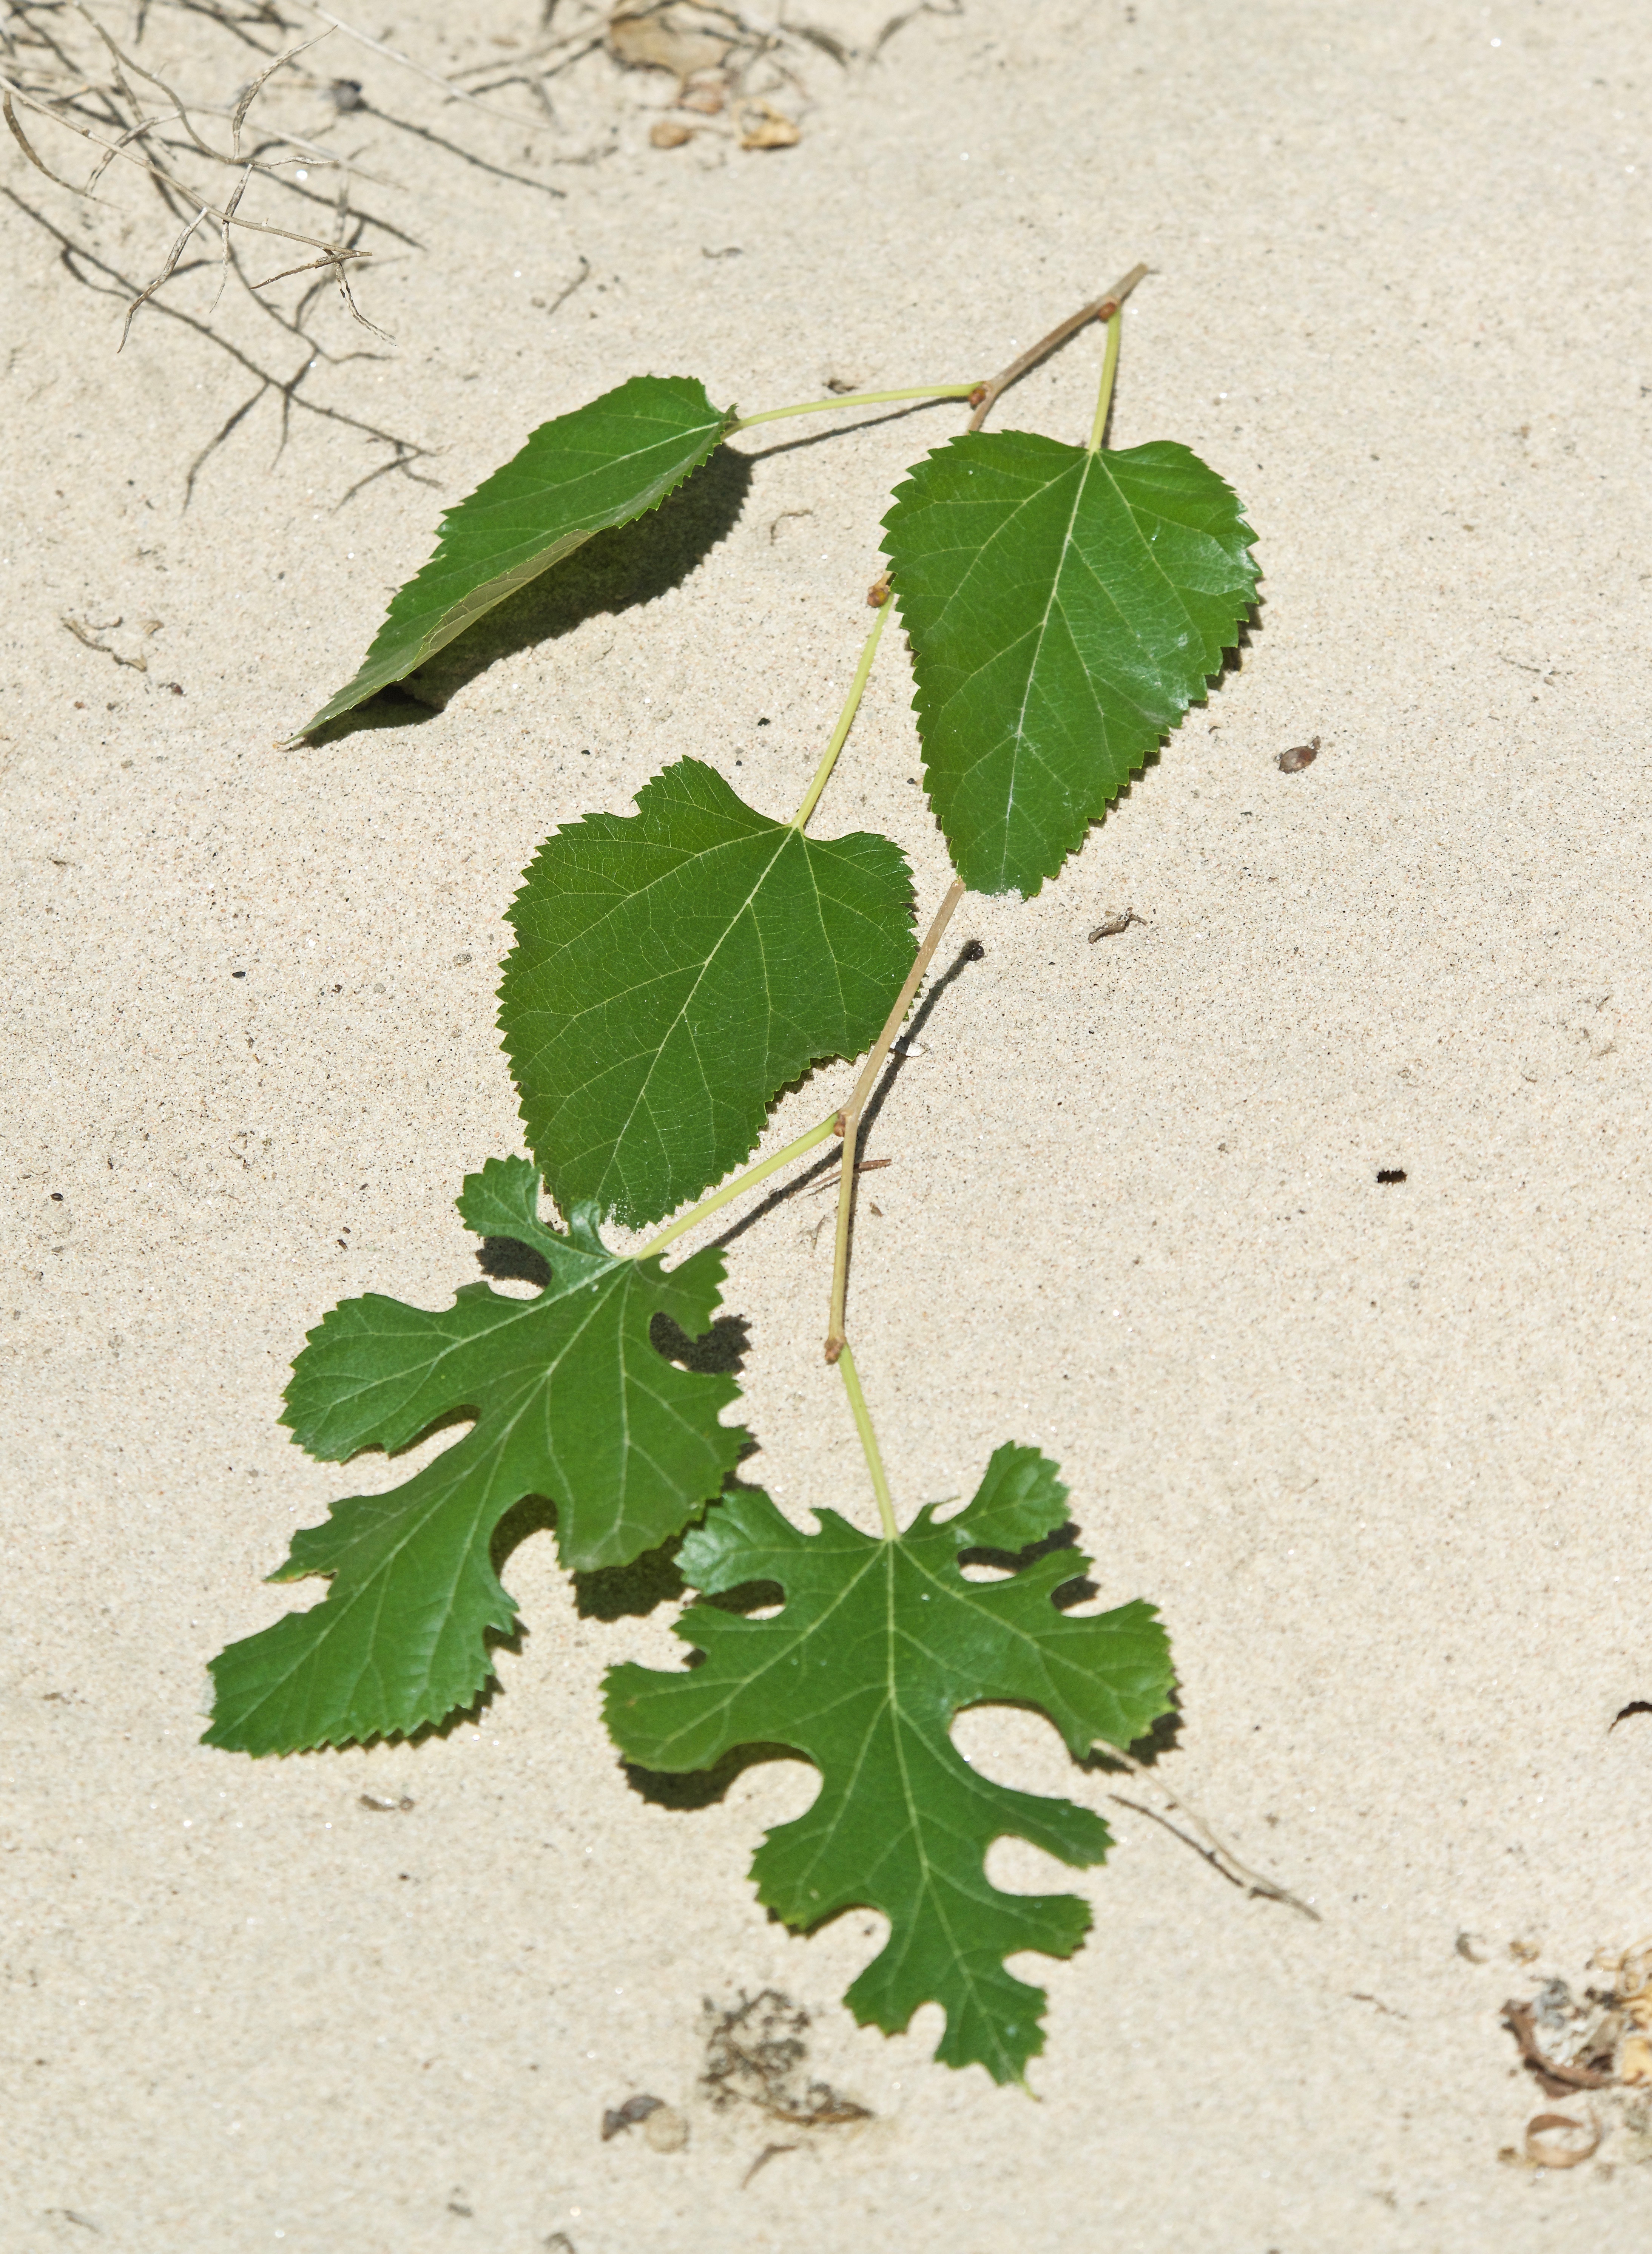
(877, 1646)
(1064, 609)
(572, 1402)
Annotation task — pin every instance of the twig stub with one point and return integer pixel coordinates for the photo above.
(1098, 309)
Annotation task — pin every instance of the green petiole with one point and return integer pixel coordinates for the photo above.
(869, 1445)
(855, 399)
(1109, 369)
(845, 721)
(749, 1179)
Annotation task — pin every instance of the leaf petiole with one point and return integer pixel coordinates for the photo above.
(845, 721)
(749, 1179)
(1109, 369)
(855, 399)
(868, 1444)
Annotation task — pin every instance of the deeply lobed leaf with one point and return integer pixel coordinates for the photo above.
(572, 1402)
(876, 1647)
(604, 464)
(674, 970)
(1064, 609)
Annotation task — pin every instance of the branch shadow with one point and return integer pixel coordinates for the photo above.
(613, 572)
(971, 952)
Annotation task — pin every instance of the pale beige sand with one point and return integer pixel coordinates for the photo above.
(1381, 1454)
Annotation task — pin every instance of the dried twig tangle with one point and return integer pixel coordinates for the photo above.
(131, 146)
(404, 451)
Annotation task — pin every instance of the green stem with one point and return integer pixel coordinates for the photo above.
(1109, 369)
(749, 1179)
(869, 1445)
(854, 399)
(845, 721)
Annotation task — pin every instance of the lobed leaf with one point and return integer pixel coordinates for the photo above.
(604, 464)
(876, 1647)
(1064, 609)
(571, 1401)
(674, 970)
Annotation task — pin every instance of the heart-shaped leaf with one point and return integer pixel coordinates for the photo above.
(1064, 609)
(674, 970)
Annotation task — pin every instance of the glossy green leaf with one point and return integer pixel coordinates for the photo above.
(601, 465)
(572, 1402)
(674, 970)
(1064, 609)
(875, 1648)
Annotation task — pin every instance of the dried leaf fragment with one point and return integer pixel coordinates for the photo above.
(1299, 756)
(667, 36)
(1555, 2140)
(1635, 2062)
(82, 632)
(1554, 2074)
(669, 134)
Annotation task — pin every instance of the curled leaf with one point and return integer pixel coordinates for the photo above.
(1555, 2140)
(581, 473)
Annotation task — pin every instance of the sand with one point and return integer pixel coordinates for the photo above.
(1379, 1452)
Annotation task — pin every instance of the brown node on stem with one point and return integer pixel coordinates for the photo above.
(878, 593)
(978, 395)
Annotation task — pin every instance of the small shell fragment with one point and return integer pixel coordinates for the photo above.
(1299, 756)
(669, 134)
